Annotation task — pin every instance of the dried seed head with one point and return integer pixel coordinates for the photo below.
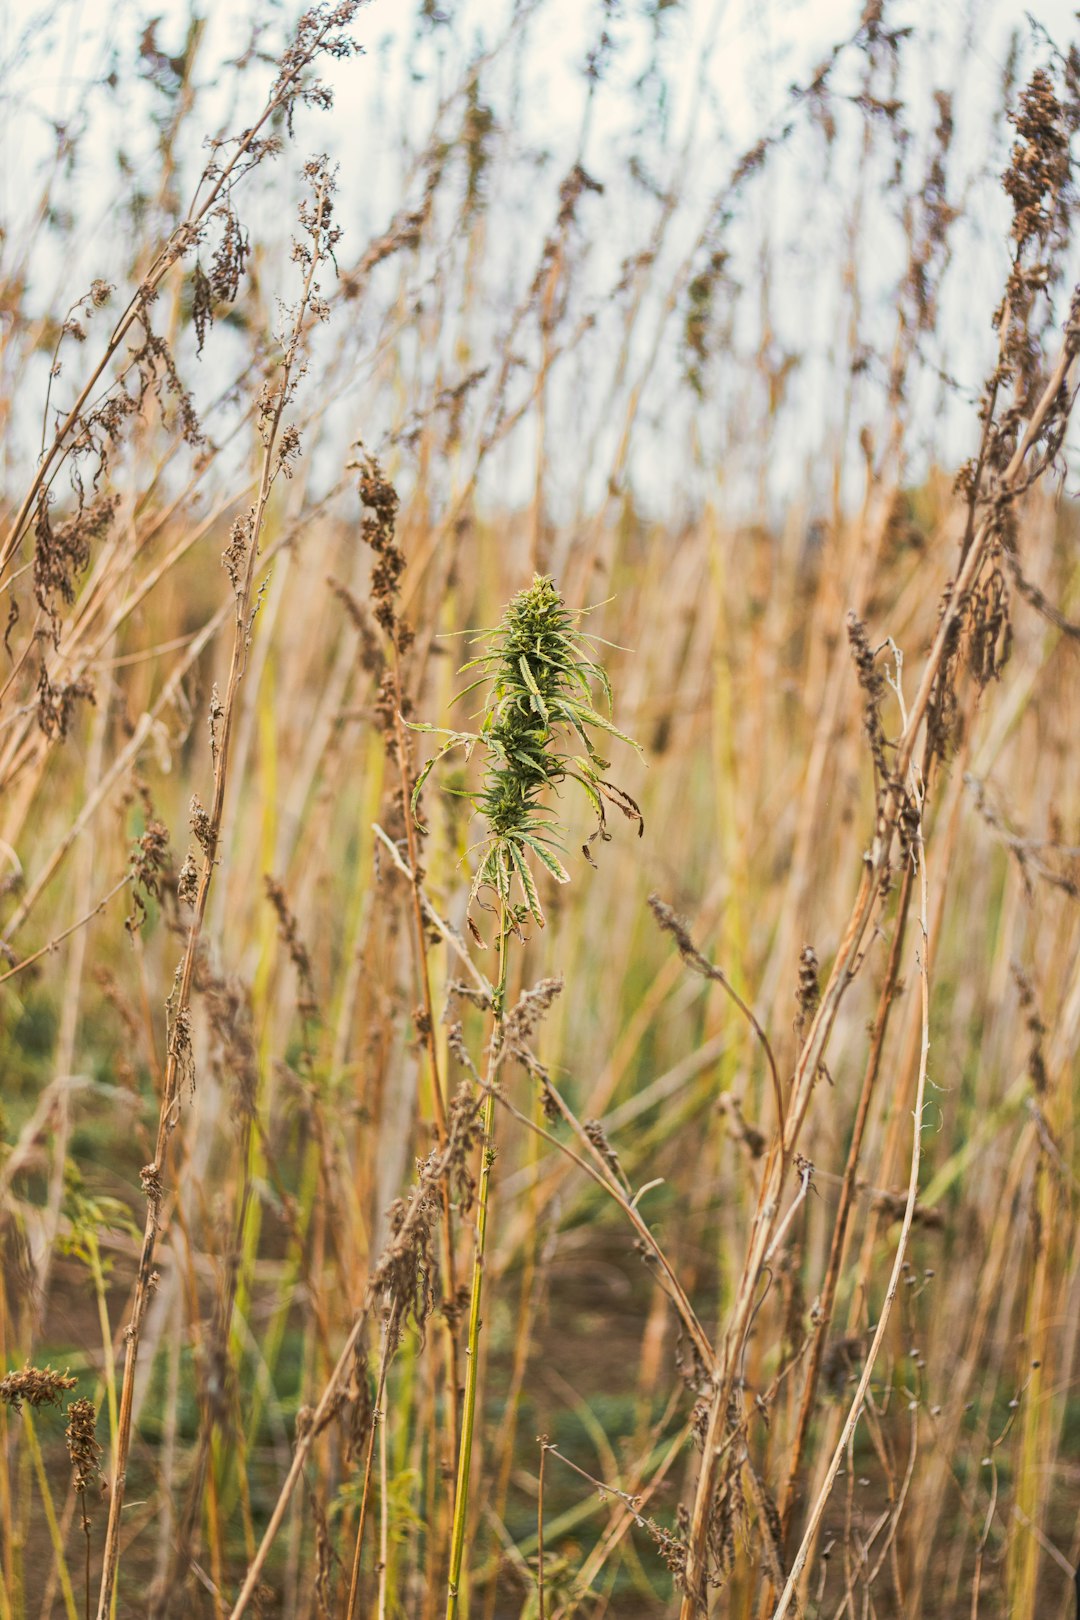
(187, 883)
(63, 552)
(808, 993)
(56, 703)
(873, 684)
(597, 1135)
(82, 1443)
(201, 825)
(524, 1018)
(1040, 165)
(289, 934)
(149, 861)
(361, 1398)
(672, 1548)
(408, 1269)
(379, 529)
(234, 1052)
(37, 1386)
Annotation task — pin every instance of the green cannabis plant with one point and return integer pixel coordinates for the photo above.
(540, 681)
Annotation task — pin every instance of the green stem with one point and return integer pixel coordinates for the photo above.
(86, 1535)
(50, 1515)
(468, 1413)
(108, 1359)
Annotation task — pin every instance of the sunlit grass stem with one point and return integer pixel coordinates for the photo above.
(472, 1349)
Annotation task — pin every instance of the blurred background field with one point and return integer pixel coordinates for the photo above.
(713, 360)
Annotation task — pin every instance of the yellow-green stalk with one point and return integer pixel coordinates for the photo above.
(540, 681)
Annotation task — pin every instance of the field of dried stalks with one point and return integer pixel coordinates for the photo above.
(628, 1168)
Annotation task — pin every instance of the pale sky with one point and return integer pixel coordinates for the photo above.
(728, 65)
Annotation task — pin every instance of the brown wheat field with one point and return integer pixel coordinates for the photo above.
(539, 812)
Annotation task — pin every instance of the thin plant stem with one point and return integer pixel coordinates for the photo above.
(540, 1531)
(438, 1101)
(384, 1523)
(50, 1514)
(86, 1574)
(384, 1362)
(847, 1194)
(788, 1596)
(170, 1099)
(329, 1398)
(472, 1351)
(603, 1178)
(58, 939)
